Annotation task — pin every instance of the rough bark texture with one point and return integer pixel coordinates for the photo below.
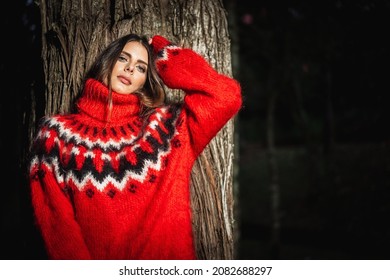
(74, 31)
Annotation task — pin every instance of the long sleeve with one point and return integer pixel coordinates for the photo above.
(211, 100)
(117, 190)
(51, 202)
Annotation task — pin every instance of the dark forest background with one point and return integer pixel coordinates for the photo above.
(315, 76)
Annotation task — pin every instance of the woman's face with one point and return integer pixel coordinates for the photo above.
(130, 70)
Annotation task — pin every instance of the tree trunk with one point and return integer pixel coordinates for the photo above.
(74, 32)
(231, 8)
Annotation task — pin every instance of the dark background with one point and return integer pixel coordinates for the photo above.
(326, 63)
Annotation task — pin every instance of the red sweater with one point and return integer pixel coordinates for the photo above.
(121, 190)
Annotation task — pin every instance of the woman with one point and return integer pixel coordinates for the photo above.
(111, 181)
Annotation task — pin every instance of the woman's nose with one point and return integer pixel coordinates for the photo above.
(129, 68)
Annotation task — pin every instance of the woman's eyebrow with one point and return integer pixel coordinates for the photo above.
(139, 60)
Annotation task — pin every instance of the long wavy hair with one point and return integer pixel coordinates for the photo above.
(152, 93)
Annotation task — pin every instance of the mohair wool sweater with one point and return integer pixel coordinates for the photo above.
(120, 190)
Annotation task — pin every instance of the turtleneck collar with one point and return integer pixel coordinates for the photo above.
(94, 103)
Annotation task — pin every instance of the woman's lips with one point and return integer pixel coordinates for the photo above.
(124, 80)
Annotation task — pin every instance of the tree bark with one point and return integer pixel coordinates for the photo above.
(74, 32)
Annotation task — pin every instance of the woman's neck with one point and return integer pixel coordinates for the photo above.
(94, 103)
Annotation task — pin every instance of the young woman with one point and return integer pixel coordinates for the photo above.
(111, 181)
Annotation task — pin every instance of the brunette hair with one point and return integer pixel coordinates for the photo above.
(151, 95)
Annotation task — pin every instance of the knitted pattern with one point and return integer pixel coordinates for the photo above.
(120, 190)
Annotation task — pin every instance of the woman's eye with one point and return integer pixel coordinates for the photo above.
(141, 68)
(122, 58)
